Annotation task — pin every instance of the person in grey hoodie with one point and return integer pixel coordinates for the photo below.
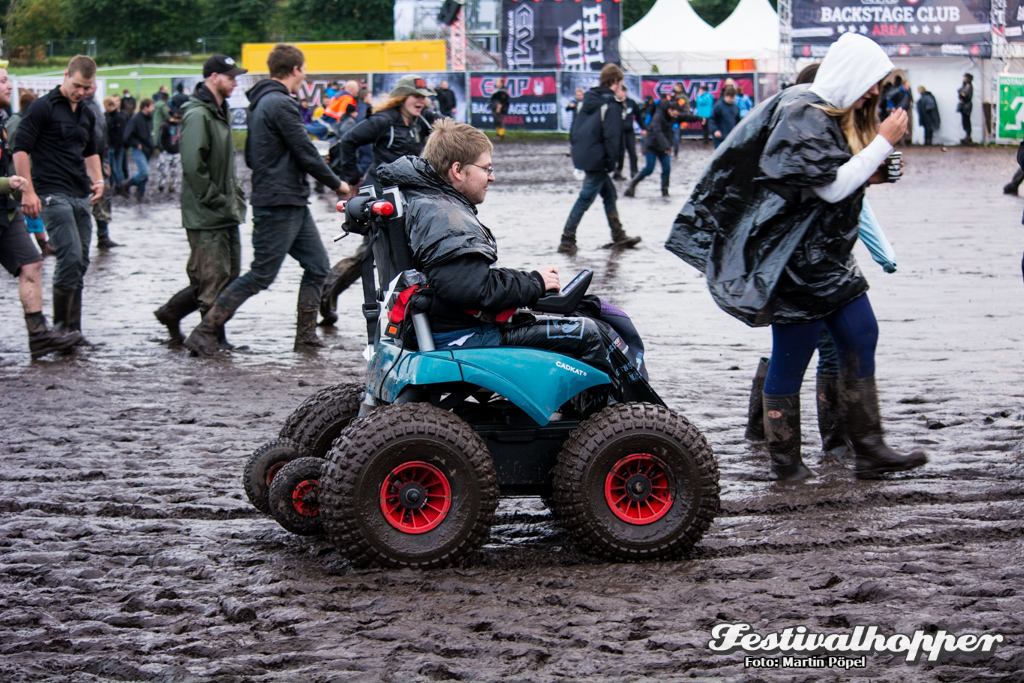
(280, 154)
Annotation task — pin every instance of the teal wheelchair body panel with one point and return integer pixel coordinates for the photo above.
(538, 382)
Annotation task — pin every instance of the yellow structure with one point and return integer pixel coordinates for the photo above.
(349, 56)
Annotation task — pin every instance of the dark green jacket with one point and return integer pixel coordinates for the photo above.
(211, 195)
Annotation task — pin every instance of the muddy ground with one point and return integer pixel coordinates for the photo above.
(126, 538)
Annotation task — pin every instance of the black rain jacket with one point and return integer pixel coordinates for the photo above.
(771, 249)
(928, 111)
(278, 149)
(596, 137)
(455, 250)
(390, 137)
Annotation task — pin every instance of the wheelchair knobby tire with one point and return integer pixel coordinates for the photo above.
(636, 482)
(263, 466)
(294, 497)
(318, 420)
(381, 455)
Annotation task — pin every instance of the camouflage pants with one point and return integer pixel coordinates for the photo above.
(215, 261)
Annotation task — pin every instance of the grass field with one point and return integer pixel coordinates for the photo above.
(142, 79)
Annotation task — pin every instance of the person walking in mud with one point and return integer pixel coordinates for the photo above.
(58, 155)
(658, 144)
(280, 154)
(965, 106)
(812, 150)
(101, 210)
(17, 253)
(596, 141)
(499, 107)
(212, 203)
(139, 139)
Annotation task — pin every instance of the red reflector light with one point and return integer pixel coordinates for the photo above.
(383, 208)
(341, 206)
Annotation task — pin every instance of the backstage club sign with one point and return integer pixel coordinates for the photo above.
(906, 28)
(533, 100)
(571, 36)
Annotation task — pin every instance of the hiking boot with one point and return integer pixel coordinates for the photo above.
(873, 457)
(106, 243)
(46, 249)
(568, 244)
(205, 338)
(664, 187)
(620, 240)
(42, 339)
(631, 188)
(782, 431)
(176, 308)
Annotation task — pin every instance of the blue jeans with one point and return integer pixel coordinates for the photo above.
(115, 157)
(595, 183)
(319, 128)
(279, 231)
(141, 176)
(855, 331)
(666, 166)
(69, 222)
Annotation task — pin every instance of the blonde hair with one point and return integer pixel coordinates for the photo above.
(859, 126)
(392, 103)
(452, 142)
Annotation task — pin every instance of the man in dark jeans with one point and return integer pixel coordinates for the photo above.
(596, 141)
(280, 154)
(66, 178)
(139, 139)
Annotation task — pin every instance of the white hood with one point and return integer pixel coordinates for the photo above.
(851, 66)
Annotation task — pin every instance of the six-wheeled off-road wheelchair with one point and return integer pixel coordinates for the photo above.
(406, 469)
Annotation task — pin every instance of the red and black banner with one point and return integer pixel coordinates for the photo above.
(555, 34)
(904, 28)
(533, 100)
(658, 85)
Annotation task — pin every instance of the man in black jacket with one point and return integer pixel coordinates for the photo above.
(596, 141)
(280, 154)
(499, 107)
(445, 100)
(139, 139)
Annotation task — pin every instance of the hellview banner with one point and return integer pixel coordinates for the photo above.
(571, 36)
(906, 28)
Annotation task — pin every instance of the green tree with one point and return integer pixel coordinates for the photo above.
(135, 28)
(33, 22)
(343, 19)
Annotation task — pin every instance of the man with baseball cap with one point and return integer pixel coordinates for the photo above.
(212, 203)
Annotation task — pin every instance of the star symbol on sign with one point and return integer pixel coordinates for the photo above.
(914, 29)
(841, 29)
(863, 29)
(937, 29)
(926, 29)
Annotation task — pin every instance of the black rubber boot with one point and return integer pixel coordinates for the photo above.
(664, 188)
(831, 424)
(568, 244)
(42, 339)
(631, 188)
(176, 308)
(755, 411)
(620, 240)
(75, 316)
(343, 275)
(103, 240)
(873, 457)
(205, 338)
(61, 308)
(1012, 186)
(305, 318)
(782, 431)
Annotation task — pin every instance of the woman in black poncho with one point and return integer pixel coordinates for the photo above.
(775, 240)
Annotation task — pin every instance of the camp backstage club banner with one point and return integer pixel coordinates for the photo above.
(569, 36)
(533, 100)
(657, 85)
(385, 83)
(905, 28)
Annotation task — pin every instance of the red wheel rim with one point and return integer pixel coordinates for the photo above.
(415, 497)
(304, 498)
(637, 489)
(273, 470)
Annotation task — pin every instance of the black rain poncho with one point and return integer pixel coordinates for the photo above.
(771, 249)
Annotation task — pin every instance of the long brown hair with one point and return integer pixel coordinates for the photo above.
(859, 126)
(392, 103)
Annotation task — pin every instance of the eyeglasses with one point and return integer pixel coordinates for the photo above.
(489, 170)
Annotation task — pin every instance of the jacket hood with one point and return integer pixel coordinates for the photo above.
(595, 98)
(851, 66)
(414, 173)
(263, 88)
(203, 97)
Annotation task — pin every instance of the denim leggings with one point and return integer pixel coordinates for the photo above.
(855, 331)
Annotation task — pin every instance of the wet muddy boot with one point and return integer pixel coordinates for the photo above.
(831, 424)
(664, 188)
(1012, 186)
(75, 316)
(782, 431)
(205, 338)
(620, 240)
(631, 188)
(103, 240)
(45, 248)
(222, 340)
(755, 411)
(873, 457)
(61, 306)
(568, 244)
(42, 339)
(172, 312)
(305, 318)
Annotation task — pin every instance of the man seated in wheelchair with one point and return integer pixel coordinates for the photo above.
(474, 303)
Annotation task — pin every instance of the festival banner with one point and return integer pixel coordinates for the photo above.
(1014, 30)
(385, 83)
(533, 100)
(571, 36)
(1011, 107)
(659, 84)
(570, 80)
(904, 28)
